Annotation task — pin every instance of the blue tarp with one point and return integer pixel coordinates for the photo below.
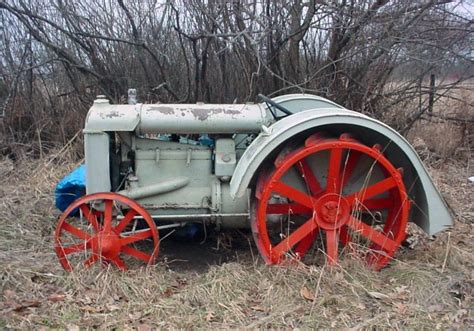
(71, 188)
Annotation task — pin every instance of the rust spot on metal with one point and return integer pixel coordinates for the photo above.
(231, 111)
(203, 114)
(112, 114)
(164, 110)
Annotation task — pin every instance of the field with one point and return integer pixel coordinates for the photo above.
(216, 285)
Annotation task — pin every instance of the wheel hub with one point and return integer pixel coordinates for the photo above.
(107, 244)
(332, 211)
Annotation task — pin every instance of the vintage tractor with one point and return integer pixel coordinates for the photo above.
(307, 176)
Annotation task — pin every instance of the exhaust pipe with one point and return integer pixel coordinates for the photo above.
(155, 189)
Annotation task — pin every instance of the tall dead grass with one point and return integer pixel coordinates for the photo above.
(447, 132)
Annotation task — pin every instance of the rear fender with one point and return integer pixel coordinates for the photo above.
(429, 210)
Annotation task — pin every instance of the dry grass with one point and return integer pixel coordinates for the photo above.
(433, 135)
(448, 138)
(430, 286)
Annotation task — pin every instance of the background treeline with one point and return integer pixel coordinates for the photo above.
(373, 56)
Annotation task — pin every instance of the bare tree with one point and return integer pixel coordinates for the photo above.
(369, 55)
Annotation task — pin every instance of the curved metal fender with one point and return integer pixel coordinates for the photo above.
(429, 210)
(299, 102)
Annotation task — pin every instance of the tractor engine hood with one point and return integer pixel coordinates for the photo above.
(177, 118)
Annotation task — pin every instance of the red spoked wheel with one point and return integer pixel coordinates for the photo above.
(348, 192)
(101, 232)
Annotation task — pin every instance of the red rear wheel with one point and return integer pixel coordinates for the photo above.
(102, 232)
(347, 192)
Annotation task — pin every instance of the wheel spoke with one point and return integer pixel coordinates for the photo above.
(288, 208)
(373, 235)
(382, 203)
(371, 191)
(344, 236)
(124, 222)
(296, 236)
(309, 177)
(108, 215)
(75, 231)
(136, 237)
(293, 194)
(137, 254)
(332, 246)
(305, 244)
(350, 166)
(89, 215)
(91, 260)
(334, 175)
(76, 248)
(119, 263)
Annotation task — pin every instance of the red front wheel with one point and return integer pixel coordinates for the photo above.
(104, 232)
(349, 193)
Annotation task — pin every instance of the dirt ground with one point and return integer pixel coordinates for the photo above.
(222, 283)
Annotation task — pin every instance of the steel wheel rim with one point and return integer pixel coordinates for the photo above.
(105, 242)
(269, 184)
